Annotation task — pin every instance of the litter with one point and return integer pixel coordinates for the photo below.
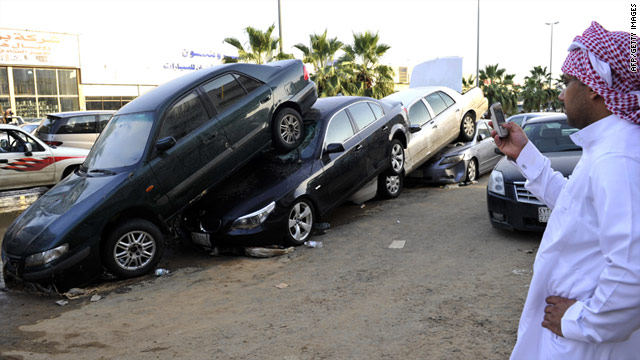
(62, 302)
(74, 293)
(95, 298)
(265, 252)
(282, 285)
(161, 272)
(313, 244)
(522, 272)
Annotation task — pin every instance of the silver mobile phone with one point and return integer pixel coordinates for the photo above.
(497, 118)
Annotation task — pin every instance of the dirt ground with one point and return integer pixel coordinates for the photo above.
(455, 290)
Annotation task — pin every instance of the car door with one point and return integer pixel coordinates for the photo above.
(487, 157)
(244, 109)
(444, 116)
(20, 169)
(374, 135)
(421, 144)
(451, 127)
(342, 172)
(200, 156)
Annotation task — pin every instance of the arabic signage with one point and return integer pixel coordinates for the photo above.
(195, 60)
(35, 48)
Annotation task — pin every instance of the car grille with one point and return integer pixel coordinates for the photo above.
(523, 195)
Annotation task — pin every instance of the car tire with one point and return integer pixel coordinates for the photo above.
(467, 127)
(396, 157)
(299, 222)
(390, 185)
(133, 248)
(287, 129)
(472, 171)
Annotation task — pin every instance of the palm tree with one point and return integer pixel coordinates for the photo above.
(321, 55)
(366, 77)
(468, 83)
(497, 85)
(536, 93)
(262, 47)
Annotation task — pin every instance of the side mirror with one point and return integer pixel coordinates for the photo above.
(481, 137)
(334, 148)
(165, 144)
(498, 152)
(28, 149)
(414, 128)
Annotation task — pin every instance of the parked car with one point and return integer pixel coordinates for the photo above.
(349, 142)
(511, 206)
(520, 119)
(25, 161)
(74, 128)
(441, 115)
(158, 153)
(460, 161)
(30, 126)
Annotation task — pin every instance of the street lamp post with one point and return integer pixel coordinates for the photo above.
(551, 52)
(280, 26)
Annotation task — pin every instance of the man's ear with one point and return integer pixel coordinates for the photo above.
(593, 95)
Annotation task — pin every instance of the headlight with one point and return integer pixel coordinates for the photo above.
(454, 159)
(496, 182)
(46, 256)
(254, 219)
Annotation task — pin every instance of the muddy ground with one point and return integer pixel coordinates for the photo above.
(454, 291)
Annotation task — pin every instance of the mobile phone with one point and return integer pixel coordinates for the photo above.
(497, 118)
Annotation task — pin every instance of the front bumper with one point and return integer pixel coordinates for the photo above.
(506, 213)
(440, 174)
(72, 263)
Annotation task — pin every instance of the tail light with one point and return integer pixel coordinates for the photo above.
(406, 112)
(53, 143)
(306, 73)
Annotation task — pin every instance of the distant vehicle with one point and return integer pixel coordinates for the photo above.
(461, 162)
(520, 119)
(73, 129)
(511, 206)
(158, 154)
(30, 126)
(15, 120)
(438, 115)
(350, 141)
(26, 161)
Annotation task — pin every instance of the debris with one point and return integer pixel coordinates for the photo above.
(74, 293)
(397, 221)
(282, 285)
(397, 244)
(269, 251)
(161, 272)
(95, 298)
(522, 272)
(313, 244)
(62, 302)
(362, 206)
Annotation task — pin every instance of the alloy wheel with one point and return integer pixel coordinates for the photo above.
(290, 129)
(472, 171)
(397, 158)
(392, 182)
(468, 124)
(134, 250)
(300, 221)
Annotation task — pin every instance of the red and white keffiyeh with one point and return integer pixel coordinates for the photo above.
(600, 59)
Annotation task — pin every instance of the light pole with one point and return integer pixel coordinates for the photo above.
(478, 49)
(551, 52)
(280, 26)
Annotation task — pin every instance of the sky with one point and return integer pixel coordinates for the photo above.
(512, 33)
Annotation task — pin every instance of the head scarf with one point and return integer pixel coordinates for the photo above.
(601, 59)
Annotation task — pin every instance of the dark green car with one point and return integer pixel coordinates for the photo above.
(158, 154)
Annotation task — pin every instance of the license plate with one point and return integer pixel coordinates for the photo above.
(201, 239)
(543, 214)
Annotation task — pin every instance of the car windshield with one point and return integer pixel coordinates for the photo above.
(551, 136)
(121, 143)
(307, 148)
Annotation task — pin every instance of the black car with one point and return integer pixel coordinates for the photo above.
(511, 206)
(158, 153)
(349, 142)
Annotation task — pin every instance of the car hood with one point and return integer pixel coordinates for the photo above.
(58, 212)
(563, 162)
(264, 180)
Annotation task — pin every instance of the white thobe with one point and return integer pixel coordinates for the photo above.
(590, 250)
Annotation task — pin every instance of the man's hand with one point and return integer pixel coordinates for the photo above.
(554, 312)
(513, 143)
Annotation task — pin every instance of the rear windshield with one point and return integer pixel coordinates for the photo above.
(85, 124)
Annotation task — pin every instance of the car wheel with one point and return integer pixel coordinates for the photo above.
(133, 248)
(397, 156)
(390, 184)
(299, 222)
(472, 171)
(287, 129)
(467, 127)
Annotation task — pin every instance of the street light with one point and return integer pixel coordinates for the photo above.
(551, 52)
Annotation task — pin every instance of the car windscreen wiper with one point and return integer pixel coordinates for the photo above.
(102, 171)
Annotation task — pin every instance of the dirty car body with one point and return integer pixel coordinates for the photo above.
(280, 199)
(461, 162)
(157, 154)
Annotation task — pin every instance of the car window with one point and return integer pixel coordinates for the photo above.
(224, 91)
(517, 119)
(339, 129)
(183, 117)
(362, 114)
(437, 104)
(14, 142)
(483, 129)
(418, 114)
(248, 83)
(447, 99)
(85, 124)
(5, 142)
(551, 136)
(377, 110)
(103, 120)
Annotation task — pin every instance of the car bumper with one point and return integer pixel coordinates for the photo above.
(440, 174)
(268, 233)
(306, 97)
(506, 213)
(71, 264)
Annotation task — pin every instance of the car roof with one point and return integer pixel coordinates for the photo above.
(409, 95)
(80, 113)
(549, 118)
(324, 108)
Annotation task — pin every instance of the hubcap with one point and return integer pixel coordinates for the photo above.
(289, 129)
(397, 158)
(468, 126)
(134, 250)
(471, 172)
(300, 221)
(393, 184)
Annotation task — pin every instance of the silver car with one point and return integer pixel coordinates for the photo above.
(73, 129)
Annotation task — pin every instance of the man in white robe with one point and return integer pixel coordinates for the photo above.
(584, 297)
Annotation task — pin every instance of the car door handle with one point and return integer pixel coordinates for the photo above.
(384, 128)
(265, 99)
(211, 137)
(3, 161)
(359, 147)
